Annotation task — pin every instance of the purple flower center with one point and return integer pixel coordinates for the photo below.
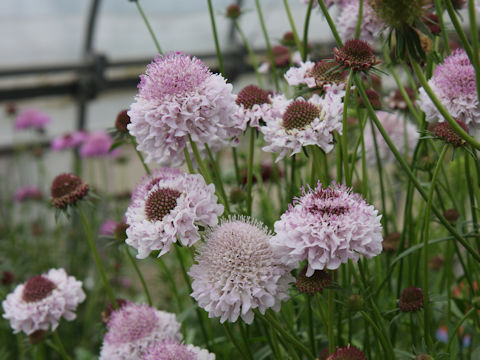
(324, 73)
(299, 114)
(252, 95)
(328, 210)
(160, 202)
(37, 288)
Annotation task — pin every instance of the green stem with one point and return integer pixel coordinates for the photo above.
(426, 247)
(188, 160)
(305, 30)
(330, 313)
(359, 21)
(149, 27)
(348, 178)
(457, 128)
(410, 174)
(218, 177)
(311, 330)
(294, 29)
(93, 248)
(458, 28)
(267, 42)
(439, 10)
(251, 150)
(474, 35)
(139, 154)
(235, 165)
(215, 38)
(453, 334)
(140, 275)
(253, 58)
(170, 280)
(471, 194)
(60, 347)
(201, 166)
(330, 22)
(232, 338)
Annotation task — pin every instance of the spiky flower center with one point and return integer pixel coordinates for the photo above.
(347, 353)
(445, 132)
(160, 202)
(299, 114)
(315, 283)
(356, 54)
(281, 55)
(37, 288)
(411, 299)
(252, 95)
(323, 73)
(122, 121)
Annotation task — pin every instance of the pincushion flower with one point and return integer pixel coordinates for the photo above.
(320, 74)
(134, 328)
(453, 82)
(253, 104)
(370, 26)
(108, 228)
(298, 123)
(97, 144)
(404, 136)
(169, 205)
(32, 119)
(237, 271)
(68, 141)
(327, 227)
(42, 301)
(178, 96)
(173, 350)
(28, 193)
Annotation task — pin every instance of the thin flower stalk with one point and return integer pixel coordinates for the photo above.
(149, 27)
(294, 29)
(140, 276)
(215, 38)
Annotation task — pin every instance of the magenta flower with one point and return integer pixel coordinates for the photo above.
(327, 227)
(97, 144)
(454, 84)
(237, 271)
(28, 193)
(31, 119)
(179, 97)
(108, 228)
(68, 141)
(134, 328)
(169, 206)
(39, 303)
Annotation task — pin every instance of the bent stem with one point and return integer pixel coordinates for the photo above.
(294, 29)
(139, 154)
(140, 275)
(305, 30)
(149, 27)
(93, 248)
(215, 38)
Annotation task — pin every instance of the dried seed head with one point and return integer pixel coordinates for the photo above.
(355, 54)
(122, 121)
(445, 132)
(67, 189)
(411, 299)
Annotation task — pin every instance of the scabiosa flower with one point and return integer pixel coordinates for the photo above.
(31, 119)
(67, 189)
(321, 74)
(403, 135)
(28, 193)
(122, 122)
(444, 131)
(326, 227)
(411, 299)
(253, 103)
(237, 271)
(347, 353)
(110, 309)
(173, 350)
(178, 96)
(97, 144)
(233, 12)
(108, 228)
(169, 205)
(68, 141)
(347, 21)
(355, 54)
(313, 284)
(301, 123)
(134, 328)
(39, 303)
(453, 82)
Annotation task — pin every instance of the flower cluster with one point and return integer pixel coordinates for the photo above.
(31, 119)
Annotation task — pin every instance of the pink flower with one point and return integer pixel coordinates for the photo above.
(68, 141)
(179, 97)
(31, 119)
(371, 24)
(327, 227)
(108, 228)
(28, 193)
(453, 82)
(39, 303)
(134, 328)
(169, 206)
(237, 271)
(173, 350)
(97, 144)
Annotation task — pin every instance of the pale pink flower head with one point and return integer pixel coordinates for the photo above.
(297, 123)
(178, 96)
(254, 104)
(453, 82)
(403, 134)
(97, 144)
(173, 350)
(327, 227)
(32, 119)
(28, 193)
(68, 141)
(371, 24)
(167, 206)
(108, 228)
(320, 75)
(42, 301)
(237, 271)
(134, 328)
